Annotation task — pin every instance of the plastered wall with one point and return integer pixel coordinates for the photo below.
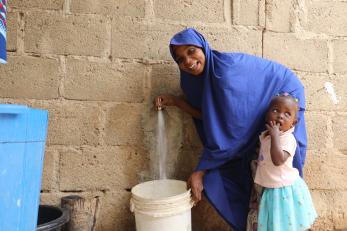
(96, 65)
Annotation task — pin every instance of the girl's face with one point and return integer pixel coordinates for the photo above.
(283, 112)
(190, 59)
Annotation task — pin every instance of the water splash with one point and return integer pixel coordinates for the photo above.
(161, 149)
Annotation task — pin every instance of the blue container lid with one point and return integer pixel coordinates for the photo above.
(12, 109)
(20, 123)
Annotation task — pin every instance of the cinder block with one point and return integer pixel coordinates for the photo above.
(248, 12)
(49, 175)
(12, 31)
(158, 40)
(51, 198)
(73, 123)
(340, 56)
(129, 38)
(203, 10)
(340, 131)
(165, 79)
(123, 125)
(327, 17)
(135, 8)
(205, 217)
(30, 77)
(100, 168)
(339, 212)
(134, 38)
(306, 55)
(319, 98)
(234, 39)
(317, 126)
(72, 34)
(279, 15)
(114, 212)
(122, 82)
(326, 170)
(191, 136)
(40, 4)
(316, 168)
(322, 203)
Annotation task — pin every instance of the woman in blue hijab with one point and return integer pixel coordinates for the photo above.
(227, 95)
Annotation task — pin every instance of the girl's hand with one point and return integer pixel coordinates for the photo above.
(195, 183)
(165, 100)
(273, 128)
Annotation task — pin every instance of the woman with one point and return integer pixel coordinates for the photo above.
(228, 94)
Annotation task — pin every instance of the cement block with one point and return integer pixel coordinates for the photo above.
(326, 170)
(315, 169)
(135, 8)
(51, 198)
(49, 176)
(122, 82)
(327, 17)
(191, 136)
(307, 55)
(339, 212)
(100, 168)
(234, 39)
(158, 40)
(123, 125)
(322, 203)
(12, 31)
(318, 97)
(165, 79)
(129, 38)
(40, 4)
(340, 56)
(340, 131)
(30, 77)
(280, 15)
(73, 124)
(247, 12)
(206, 11)
(49, 32)
(134, 38)
(114, 212)
(205, 217)
(317, 126)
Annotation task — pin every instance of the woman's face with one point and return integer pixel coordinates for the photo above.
(190, 59)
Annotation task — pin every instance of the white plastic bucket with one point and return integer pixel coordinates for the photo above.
(161, 205)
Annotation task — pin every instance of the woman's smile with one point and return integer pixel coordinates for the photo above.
(190, 59)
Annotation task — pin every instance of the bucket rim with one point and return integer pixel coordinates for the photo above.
(169, 198)
(63, 219)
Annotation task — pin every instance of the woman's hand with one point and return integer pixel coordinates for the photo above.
(161, 101)
(195, 183)
(165, 100)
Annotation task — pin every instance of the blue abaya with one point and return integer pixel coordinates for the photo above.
(233, 94)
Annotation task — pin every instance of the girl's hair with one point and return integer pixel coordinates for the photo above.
(288, 96)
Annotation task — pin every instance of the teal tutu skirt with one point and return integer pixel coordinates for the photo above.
(288, 208)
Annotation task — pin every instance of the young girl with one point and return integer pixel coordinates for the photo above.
(286, 204)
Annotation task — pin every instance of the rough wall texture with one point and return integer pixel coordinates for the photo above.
(96, 65)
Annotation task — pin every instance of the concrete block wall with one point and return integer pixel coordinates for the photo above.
(97, 64)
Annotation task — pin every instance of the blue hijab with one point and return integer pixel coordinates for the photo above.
(233, 94)
(3, 56)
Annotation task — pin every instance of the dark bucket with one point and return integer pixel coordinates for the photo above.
(51, 218)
